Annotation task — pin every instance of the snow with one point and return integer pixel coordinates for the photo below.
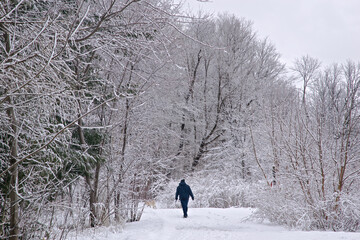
(204, 223)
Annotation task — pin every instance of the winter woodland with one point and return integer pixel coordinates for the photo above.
(106, 105)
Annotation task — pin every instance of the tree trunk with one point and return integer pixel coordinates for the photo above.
(117, 206)
(14, 198)
(92, 190)
(206, 138)
(92, 202)
(192, 68)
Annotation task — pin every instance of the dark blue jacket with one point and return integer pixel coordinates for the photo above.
(183, 191)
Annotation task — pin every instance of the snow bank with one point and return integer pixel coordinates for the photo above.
(206, 224)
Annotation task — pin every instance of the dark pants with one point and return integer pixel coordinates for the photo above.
(184, 205)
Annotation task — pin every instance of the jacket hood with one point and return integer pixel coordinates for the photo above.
(182, 182)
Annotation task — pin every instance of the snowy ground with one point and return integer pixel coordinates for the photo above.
(206, 223)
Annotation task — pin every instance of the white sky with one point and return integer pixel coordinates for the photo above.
(328, 30)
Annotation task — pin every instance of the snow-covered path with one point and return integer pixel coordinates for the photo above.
(209, 224)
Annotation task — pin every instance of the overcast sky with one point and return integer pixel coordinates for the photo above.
(325, 29)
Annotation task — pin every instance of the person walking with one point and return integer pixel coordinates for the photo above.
(184, 192)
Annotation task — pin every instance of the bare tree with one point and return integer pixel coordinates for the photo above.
(307, 68)
(315, 150)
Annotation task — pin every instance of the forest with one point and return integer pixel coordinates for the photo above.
(106, 105)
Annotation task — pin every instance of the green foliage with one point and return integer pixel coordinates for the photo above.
(81, 163)
(33, 7)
